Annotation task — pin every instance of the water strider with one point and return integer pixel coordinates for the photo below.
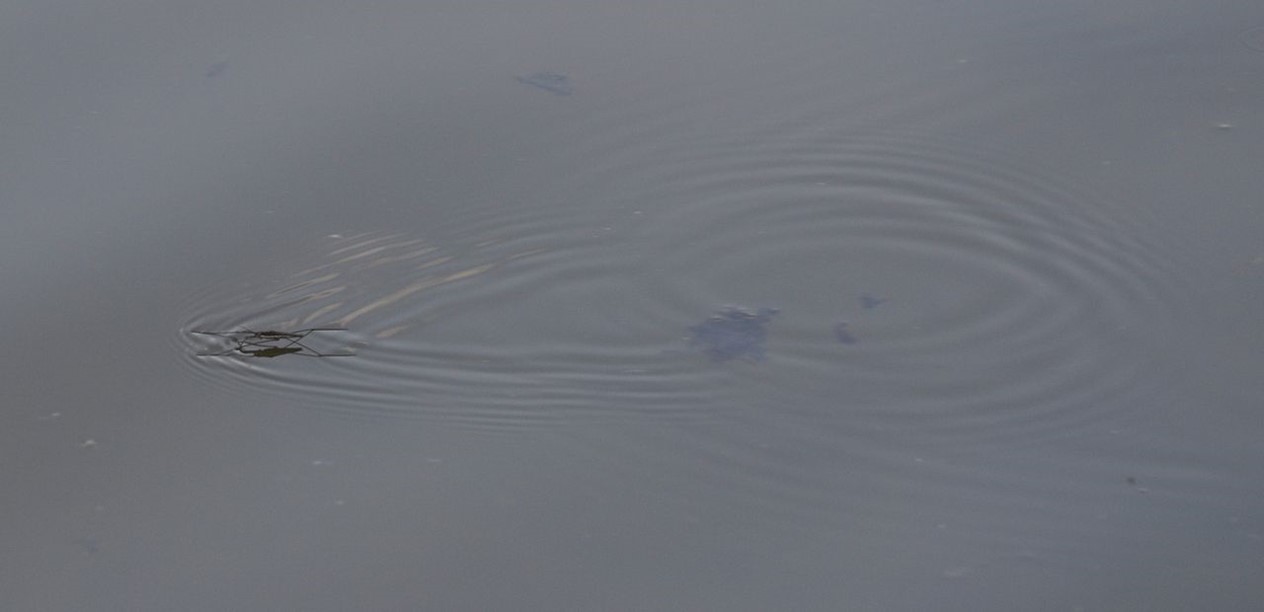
(270, 343)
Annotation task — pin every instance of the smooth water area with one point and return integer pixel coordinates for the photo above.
(634, 306)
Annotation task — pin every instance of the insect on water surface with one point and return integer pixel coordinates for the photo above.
(270, 343)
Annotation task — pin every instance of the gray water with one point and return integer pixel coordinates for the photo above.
(1013, 248)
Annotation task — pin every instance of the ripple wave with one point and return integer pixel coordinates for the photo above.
(978, 297)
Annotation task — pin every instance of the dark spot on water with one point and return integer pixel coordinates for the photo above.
(869, 302)
(843, 335)
(217, 69)
(552, 82)
(733, 332)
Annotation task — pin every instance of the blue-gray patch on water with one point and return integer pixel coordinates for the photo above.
(733, 332)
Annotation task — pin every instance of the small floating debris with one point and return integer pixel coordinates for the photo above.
(552, 82)
(248, 343)
(733, 332)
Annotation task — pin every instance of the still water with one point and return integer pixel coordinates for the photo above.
(561, 306)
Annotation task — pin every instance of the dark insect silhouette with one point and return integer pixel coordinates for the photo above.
(248, 343)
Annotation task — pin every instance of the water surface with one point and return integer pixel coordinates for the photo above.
(1013, 251)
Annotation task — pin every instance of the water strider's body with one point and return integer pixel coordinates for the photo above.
(270, 343)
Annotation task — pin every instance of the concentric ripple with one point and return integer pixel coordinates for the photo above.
(976, 296)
